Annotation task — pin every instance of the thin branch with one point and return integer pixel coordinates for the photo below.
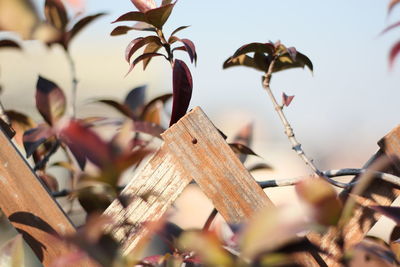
(74, 83)
(296, 145)
(390, 178)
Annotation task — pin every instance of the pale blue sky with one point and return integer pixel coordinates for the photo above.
(339, 112)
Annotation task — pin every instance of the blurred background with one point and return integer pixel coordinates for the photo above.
(339, 112)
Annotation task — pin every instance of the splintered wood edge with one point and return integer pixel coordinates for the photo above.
(29, 206)
(201, 153)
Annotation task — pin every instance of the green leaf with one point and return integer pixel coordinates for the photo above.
(12, 253)
(158, 16)
(266, 48)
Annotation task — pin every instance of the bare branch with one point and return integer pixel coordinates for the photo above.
(390, 178)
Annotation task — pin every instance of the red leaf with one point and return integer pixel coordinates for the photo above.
(138, 43)
(286, 100)
(292, 53)
(177, 30)
(182, 90)
(50, 101)
(142, 57)
(393, 53)
(135, 99)
(82, 140)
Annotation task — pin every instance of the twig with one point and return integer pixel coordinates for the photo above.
(74, 83)
(296, 145)
(390, 178)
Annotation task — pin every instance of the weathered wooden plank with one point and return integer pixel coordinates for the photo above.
(201, 153)
(193, 149)
(29, 206)
(152, 191)
(378, 193)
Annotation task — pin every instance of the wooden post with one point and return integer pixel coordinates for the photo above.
(29, 206)
(378, 193)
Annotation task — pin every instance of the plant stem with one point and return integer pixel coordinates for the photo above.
(210, 219)
(296, 145)
(74, 83)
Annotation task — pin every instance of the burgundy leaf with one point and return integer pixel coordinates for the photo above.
(244, 137)
(390, 212)
(118, 106)
(56, 14)
(50, 181)
(390, 27)
(135, 98)
(148, 128)
(82, 24)
(78, 137)
(144, 5)
(120, 30)
(50, 101)
(150, 48)
(286, 100)
(9, 44)
(142, 57)
(138, 43)
(292, 52)
(392, 4)
(190, 49)
(178, 30)
(158, 16)
(259, 166)
(162, 98)
(182, 90)
(33, 138)
(266, 48)
(131, 16)
(242, 149)
(393, 53)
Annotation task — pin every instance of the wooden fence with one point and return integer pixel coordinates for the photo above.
(193, 149)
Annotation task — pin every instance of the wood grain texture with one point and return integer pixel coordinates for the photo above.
(201, 153)
(152, 191)
(378, 193)
(29, 206)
